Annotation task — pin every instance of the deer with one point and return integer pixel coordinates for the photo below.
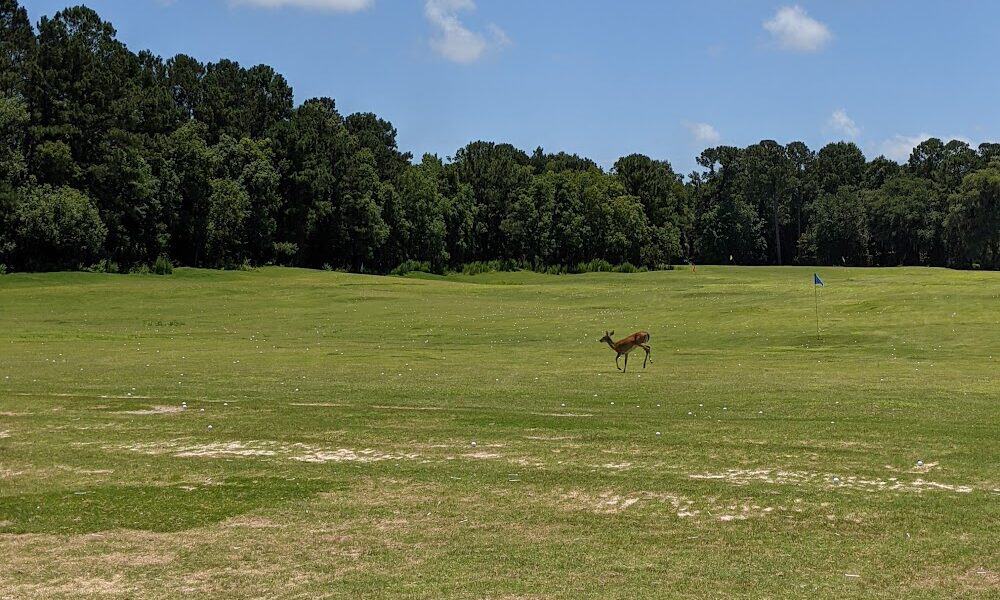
(638, 339)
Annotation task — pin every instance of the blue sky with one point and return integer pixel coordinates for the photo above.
(604, 78)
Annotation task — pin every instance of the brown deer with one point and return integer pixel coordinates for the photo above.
(638, 339)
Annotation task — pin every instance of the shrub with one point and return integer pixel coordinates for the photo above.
(163, 266)
(493, 266)
(628, 267)
(104, 266)
(56, 228)
(411, 266)
(598, 265)
(285, 253)
(140, 269)
(3, 269)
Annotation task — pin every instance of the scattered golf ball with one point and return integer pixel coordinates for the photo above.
(657, 433)
(920, 463)
(473, 444)
(209, 426)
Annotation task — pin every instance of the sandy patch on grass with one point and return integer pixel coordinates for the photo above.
(740, 512)
(263, 449)
(8, 413)
(708, 508)
(609, 502)
(984, 577)
(481, 455)
(565, 414)
(617, 466)
(224, 449)
(344, 455)
(318, 404)
(553, 438)
(782, 477)
(4, 433)
(156, 410)
(73, 587)
(385, 407)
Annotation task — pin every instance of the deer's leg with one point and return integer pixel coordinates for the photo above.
(646, 348)
(626, 363)
(617, 364)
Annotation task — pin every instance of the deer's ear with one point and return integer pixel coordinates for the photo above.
(612, 332)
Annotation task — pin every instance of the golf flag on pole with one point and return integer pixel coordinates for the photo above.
(817, 283)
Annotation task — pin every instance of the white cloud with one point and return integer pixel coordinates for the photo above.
(703, 133)
(330, 5)
(841, 123)
(899, 147)
(453, 40)
(795, 30)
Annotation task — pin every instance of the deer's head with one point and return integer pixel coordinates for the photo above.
(607, 337)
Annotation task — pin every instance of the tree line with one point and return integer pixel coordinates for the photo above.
(112, 159)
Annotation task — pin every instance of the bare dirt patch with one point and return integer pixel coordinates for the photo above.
(264, 449)
(566, 414)
(156, 410)
(870, 484)
(344, 455)
(609, 502)
(481, 455)
(430, 408)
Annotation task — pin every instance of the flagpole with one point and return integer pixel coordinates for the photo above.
(816, 296)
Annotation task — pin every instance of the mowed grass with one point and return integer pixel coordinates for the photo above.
(366, 437)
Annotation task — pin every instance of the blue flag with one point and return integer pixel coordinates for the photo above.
(817, 280)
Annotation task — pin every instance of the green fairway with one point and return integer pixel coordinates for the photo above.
(467, 436)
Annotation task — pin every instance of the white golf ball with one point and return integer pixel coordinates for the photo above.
(657, 433)
(473, 444)
(920, 463)
(209, 426)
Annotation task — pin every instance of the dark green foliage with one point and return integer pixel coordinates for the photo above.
(839, 232)
(973, 219)
(212, 165)
(162, 266)
(55, 229)
(412, 266)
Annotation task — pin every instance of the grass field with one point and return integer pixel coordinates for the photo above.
(364, 437)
